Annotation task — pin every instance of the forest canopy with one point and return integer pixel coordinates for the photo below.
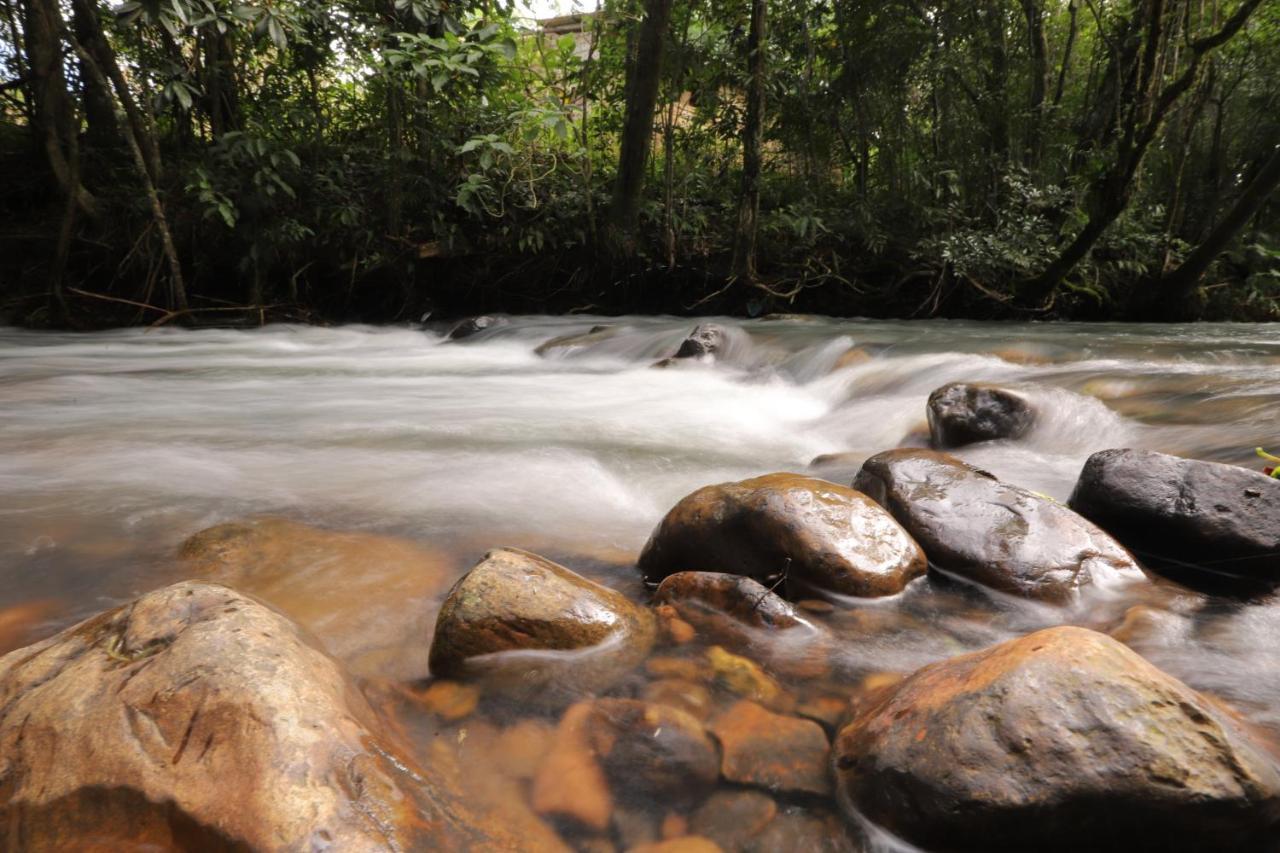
(247, 160)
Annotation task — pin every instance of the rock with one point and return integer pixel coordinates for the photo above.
(993, 533)
(851, 357)
(963, 413)
(706, 340)
(531, 628)
(1201, 521)
(687, 844)
(1060, 740)
(606, 745)
(521, 747)
(369, 598)
(688, 696)
(744, 677)
(746, 616)
(566, 344)
(772, 751)
(812, 830)
(197, 718)
(475, 325)
(815, 531)
(733, 818)
(448, 700)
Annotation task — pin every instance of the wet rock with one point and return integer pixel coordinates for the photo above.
(198, 718)
(448, 700)
(733, 818)
(566, 344)
(706, 340)
(812, 830)
(743, 677)
(1060, 740)
(851, 357)
(623, 745)
(688, 696)
(369, 598)
(475, 325)
(814, 531)
(530, 628)
(963, 413)
(993, 533)
(676, 630)
(687, 844)
(1201, 521)
(772, 751)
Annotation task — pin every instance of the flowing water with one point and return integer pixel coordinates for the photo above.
(115, 447)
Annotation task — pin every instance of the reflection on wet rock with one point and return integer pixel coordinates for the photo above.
(810, 531)
(965, 413)
(527, 627)
(993, 533)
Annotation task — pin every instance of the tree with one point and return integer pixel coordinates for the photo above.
(744, 245)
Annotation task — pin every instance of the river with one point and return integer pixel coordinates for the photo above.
(117, 446)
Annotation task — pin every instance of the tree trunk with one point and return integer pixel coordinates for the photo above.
(644, 72)
(1182, 282)
(1039, 80)
(744, 244)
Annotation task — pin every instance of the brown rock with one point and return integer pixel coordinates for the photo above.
(449, 700)
(851, 357)
(606, 745)
(521, 747)
(369, 598)
(687, 844)
(815, 531)
(1061, 740)
(197, 718)
(533, 629)
(688, 696)
(996, 534)
(732, 818)
(744, 677)
(674, 825)
(963, 413)
(567, 344)
(19, 622)
(772, 751)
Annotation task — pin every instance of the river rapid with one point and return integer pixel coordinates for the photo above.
(115, 447)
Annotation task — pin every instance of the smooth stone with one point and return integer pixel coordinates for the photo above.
(566, 344)
(1200, 521)
(1060, 740)
(744, 677)
(964, 413)
(527, 627)
(993, 533)
(733, 818)
(815, 531)
(475, 325)
(199, 718)
(369, 598)
(772, 751)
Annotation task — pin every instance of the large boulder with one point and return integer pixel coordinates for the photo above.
(531, 628)
(967, 412)
(993, 533)
(814, 531)
(369, 598)
(199, 718)
(1060, 740)
(1201, 520)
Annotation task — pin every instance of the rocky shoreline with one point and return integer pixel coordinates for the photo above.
(719, 702)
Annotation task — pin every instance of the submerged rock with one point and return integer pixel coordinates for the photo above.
(475, 325)
(993, 533)
(733, 818)
(565, 344)
(198, 718)
(964, 413)
(369, 598)
(1201, 520)
(624, 746)
(1060, 740)
(772, 751)
(531, 628)
(706, 339)
(814, 531)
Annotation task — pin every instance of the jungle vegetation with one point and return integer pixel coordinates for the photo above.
(219, 161)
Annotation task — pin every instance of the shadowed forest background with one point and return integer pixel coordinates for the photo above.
(216, 161)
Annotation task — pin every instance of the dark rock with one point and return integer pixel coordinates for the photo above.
(963, 413)
(733, 818)
(706, 339)
(475, 325)
(811, 829)
(198, 718)
(1061, 740)
(815, 531)
(1200, 521)
(996, 534)
(528, 627)
(772, 751)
